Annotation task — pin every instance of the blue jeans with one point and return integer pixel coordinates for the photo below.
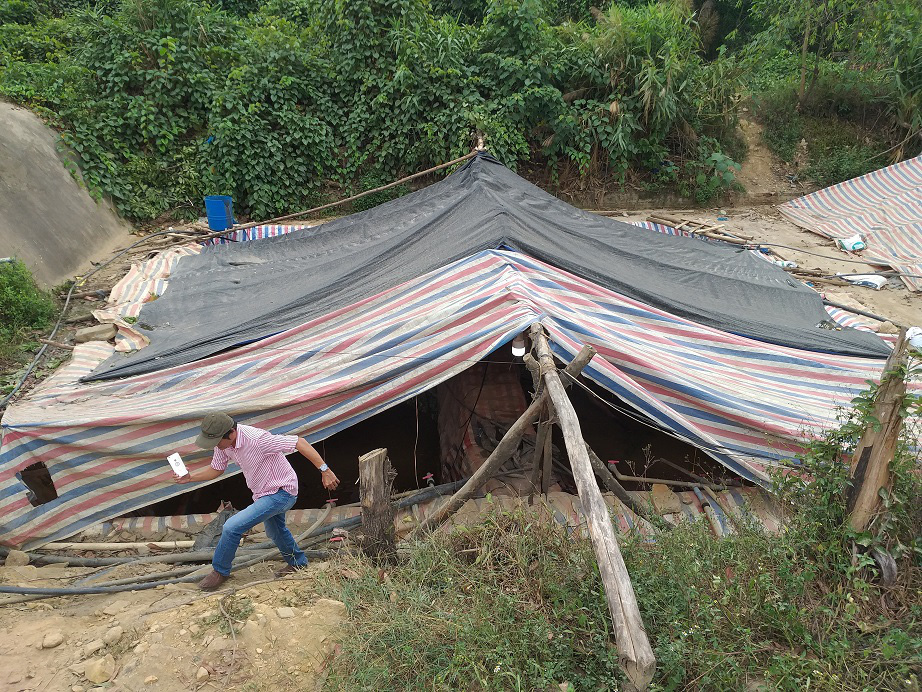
(270, 510)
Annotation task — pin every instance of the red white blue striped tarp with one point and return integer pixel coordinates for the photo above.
(884, 207)
(257, 233)
(105, 443)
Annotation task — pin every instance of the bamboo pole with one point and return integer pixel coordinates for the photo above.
(630, 637)
(870, 466)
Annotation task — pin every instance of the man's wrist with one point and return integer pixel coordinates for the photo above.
(323, 467)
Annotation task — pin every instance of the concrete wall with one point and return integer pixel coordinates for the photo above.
(47, 219)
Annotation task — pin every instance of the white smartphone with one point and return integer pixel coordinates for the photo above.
(176, 463)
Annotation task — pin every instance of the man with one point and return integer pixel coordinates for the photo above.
(261, 457)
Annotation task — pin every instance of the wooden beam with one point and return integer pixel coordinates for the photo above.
(376, 478)
(630, 637)
(870, 466)
(505, 449)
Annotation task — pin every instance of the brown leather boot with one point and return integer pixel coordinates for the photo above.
(212, 581)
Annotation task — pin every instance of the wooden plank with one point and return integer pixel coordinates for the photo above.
(376, 478)
(630, 637)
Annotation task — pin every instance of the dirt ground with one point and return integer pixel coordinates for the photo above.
(170, 638)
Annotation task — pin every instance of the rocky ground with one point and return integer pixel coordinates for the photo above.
(285, 635)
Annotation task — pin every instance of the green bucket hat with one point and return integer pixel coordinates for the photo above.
(214, 427)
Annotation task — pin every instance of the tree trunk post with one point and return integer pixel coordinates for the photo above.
(870, 465)
(631, 639)
(376, 477)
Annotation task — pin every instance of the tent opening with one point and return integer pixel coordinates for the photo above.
(408, 431)
(450, 430)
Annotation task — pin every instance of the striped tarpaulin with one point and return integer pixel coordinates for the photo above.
(145, 281)
(747, 403)
(885, 207)
(257, 233)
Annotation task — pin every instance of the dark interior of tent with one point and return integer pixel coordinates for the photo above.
(424, 448)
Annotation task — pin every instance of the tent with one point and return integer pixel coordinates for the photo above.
(316, 330)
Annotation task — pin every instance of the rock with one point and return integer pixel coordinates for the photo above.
(201, 674)
(335, 607)
(78, 688)
(16, 558)
(92, 647)
(285, 613)
(52, 639)
(251, 634)
(113, 635)
(14, 677)
(115, 608)
(194, 629)
(98, 332)
(100, 670)
(884, 328)
(150, 679)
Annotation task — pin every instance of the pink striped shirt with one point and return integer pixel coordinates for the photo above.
(261, 457)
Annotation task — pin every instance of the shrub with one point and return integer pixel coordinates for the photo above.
(23, 305)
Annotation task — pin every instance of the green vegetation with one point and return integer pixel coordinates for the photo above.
(843, 77)
(23, 308)
(288, 103)
(516, 603)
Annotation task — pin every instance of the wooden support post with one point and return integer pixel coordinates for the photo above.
(547, 457)
(543, 430)
(870, 467)
(375, 480)
(631, 639)
(505, 449)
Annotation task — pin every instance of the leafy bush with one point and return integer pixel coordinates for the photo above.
(163, 102)
(23, 307)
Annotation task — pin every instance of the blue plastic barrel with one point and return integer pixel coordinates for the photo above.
(220, 212)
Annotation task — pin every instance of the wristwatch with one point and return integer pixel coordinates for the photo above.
(324, 467)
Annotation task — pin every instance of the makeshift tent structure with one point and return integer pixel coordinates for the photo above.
(370, 310)
(884, 207)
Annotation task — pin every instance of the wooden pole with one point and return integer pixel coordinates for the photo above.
(375, 479)
(630, 637)
(505, 449)
(870, 466)
(612, 485)
(543, 430)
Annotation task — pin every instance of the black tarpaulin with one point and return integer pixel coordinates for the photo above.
(232, 294)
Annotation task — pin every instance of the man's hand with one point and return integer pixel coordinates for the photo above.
(182, 479)
(330, 481)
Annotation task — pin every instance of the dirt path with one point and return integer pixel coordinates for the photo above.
(172, 638)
